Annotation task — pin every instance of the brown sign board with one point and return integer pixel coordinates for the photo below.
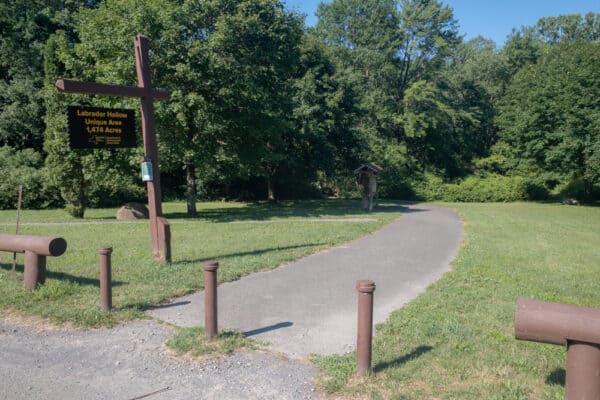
(100, 128)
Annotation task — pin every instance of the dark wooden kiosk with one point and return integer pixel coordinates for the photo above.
(576, 327)
(159, 226)
(367, 183)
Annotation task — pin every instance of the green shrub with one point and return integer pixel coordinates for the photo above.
(491, 188)
(429, 187)
(536, 188)
(24, 167)
(575, 188)
(343, 186)
(487, 188)
(113, 194)
(392, 184)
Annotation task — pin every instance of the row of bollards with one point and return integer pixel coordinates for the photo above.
(576, 327)
(365, 288)
(365, 314)
(210, 289)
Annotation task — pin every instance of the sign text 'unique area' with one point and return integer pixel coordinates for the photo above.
(100, 128)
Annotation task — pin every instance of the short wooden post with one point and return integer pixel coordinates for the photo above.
(365, 326)
(105, 278)
(210, 297)
(583, 371)
(34, 273)
(563, 324)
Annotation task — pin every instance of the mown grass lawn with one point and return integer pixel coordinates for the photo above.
(245, 238)
(456, 341)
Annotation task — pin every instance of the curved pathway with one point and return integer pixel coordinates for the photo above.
(309, 306)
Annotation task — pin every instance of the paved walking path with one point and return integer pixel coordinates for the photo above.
(309, 306)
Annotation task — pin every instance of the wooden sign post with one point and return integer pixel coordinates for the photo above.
(160, 231)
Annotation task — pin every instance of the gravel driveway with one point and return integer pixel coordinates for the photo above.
(130, 362)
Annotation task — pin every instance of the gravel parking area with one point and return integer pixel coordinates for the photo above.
(130, 362)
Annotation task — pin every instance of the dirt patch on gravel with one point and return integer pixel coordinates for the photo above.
(36, 324)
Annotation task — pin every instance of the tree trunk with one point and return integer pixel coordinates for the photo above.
(587, 189)
(270, 189)
(74, 192)
(190, 189)
(76, 204)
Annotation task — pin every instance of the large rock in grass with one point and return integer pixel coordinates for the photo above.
(131, 211)
(570, 202)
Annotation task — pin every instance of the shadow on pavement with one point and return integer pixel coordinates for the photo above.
(269, 328)
(168, 305)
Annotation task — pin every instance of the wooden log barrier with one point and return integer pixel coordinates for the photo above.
(36, 249)
(576, 327)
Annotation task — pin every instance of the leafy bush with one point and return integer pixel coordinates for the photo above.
(536, 188)
(428, 187)
(394, 157)
(24, 167)
(486, 188)
(575, 188)
(491, 188)
(392, 184)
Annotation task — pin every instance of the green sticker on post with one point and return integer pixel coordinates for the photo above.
(147, 171)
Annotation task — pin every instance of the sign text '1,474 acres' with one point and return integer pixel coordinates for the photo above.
(100, 128)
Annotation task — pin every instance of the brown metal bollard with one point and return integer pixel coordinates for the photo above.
(576, 327)
(365, 326)
(210, 297)
(34, 272)
(105, 278)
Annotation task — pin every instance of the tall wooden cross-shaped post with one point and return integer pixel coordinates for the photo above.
(160, 231)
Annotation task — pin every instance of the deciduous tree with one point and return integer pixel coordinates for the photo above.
(550, 114)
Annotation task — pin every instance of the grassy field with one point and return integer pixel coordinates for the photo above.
(245, 238)
(456, 341)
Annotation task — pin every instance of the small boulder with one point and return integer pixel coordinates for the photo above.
(132, 211)
(570, 202)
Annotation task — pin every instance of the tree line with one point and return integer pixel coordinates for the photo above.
(264, 108)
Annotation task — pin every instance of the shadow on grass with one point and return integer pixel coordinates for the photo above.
(221, 257)
(419, 351)
(62, 276)
(8, 266)
(557, 377)
(304, 209)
